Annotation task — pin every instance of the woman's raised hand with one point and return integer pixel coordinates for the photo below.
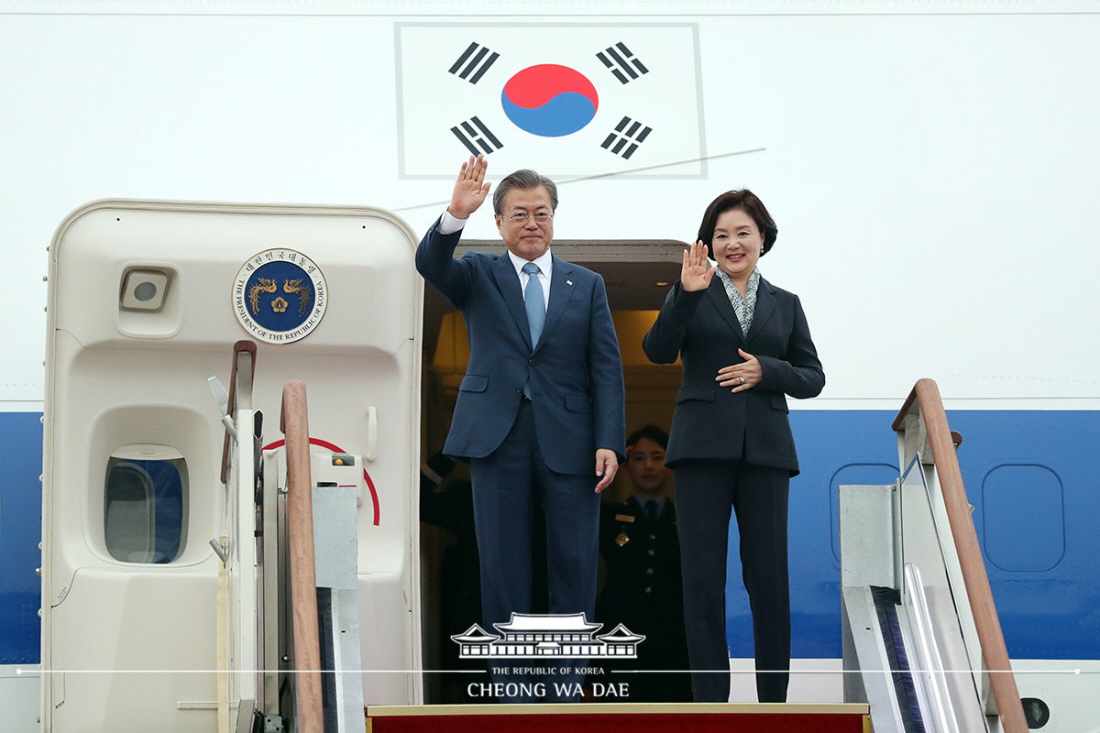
(697, 270)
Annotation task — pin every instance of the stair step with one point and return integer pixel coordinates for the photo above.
(622, 718)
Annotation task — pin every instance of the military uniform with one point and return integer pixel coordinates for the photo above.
(644, 593)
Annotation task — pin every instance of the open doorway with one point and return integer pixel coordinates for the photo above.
(637, 276)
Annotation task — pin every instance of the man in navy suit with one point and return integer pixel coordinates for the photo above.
(540, 412)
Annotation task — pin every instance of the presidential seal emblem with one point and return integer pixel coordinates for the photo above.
(279, 296)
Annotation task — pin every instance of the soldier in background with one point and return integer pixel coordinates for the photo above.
(643, 591)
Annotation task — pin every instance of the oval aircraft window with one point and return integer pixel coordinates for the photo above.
(145, 504)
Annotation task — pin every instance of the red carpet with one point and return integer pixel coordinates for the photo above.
(625, 718)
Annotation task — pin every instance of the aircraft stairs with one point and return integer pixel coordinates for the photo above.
(923, 649)
(922, 641)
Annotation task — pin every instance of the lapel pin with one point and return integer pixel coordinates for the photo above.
(568, 282)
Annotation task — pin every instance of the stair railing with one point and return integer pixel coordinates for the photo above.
(929, 436)
(308, 704)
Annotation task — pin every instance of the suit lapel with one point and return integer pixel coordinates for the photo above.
(765, 304)
(561, 291)
(508, 283)
(717, 294)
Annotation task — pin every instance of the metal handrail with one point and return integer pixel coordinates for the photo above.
(240, 350)
(925, 400)
(294, 423)
(931, 667)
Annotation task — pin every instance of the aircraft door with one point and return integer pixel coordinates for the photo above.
(146, 300)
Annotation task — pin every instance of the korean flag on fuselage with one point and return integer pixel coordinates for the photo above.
(569, 100)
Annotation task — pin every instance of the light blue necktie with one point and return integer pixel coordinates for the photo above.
(533, 302)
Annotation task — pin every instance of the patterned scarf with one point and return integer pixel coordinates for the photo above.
(744, 307)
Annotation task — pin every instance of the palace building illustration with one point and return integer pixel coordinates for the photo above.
(533, 635)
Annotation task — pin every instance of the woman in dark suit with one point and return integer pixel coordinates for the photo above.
(744, 345)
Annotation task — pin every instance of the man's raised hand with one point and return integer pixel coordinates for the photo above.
(470, 188)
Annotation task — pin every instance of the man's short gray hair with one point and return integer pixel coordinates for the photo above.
(526, 180)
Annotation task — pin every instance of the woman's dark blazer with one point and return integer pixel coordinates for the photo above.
(711, 422)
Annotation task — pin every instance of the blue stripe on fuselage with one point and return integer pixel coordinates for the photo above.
(1031, 476)
(20, 531)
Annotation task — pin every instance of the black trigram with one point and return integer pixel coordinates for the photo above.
(477, 137)
(626, 138)
(473, 63)
(622, 63)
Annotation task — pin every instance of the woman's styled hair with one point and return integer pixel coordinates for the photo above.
(742, 199)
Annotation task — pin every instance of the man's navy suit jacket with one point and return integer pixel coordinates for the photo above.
(711, 422)
(574, 373)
